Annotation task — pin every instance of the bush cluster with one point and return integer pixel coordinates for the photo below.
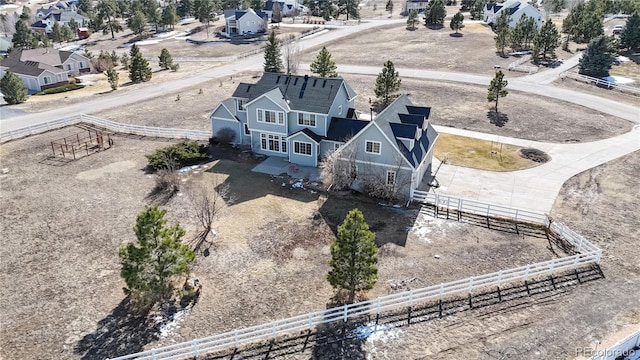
(178, 155)
(61, 89)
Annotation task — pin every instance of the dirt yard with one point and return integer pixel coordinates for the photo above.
(62, 225)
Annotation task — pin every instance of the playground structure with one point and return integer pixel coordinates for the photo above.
(84, 142)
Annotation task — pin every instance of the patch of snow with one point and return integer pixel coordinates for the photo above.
(72, 48)
(425, 224)
(189, 168)
(148, 42)
(164, 34)
(298, 184)
(618, 80)
(167, 326)
(623, 58)
(373, 332)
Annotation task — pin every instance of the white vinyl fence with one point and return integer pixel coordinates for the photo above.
(600, 82)
(589, 255)
(624, 348)
(106, 124)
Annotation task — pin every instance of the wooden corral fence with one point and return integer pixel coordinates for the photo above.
(599, 82)
(517, 66)
(89, 140)
(105, 124)
(624, 349)
(589, 256)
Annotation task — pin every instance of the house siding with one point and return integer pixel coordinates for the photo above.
(265, 104)
(326, 147)
(304, 160)
(219, 123)
(320, 128)
(388, 155)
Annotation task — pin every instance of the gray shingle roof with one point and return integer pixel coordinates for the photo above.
(26, 66)
(304, 93)
(400, 120)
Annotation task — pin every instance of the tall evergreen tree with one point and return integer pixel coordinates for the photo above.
(112, 78)
(435, 14)
(73, 25)
(323, 66)
(353, 256)
(502, 38)
(276, 13)
(150, 265)
(205, 12)
(412, 19)
(457, 22)
(546, 40)
(67, 33)
(387, 84)
(597, 59)
(170, 16)
(137, 22)
(23, 37)
(85, 6)
(272, 57)
(56, 32)
(497, 89)
(13, 89)
(348, 7)
(165, 59)
(185, 8)
(107, 10)
(630, 37)
(139, 69)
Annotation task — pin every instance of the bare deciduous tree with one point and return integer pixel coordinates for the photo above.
(292, 54)
(207, 199)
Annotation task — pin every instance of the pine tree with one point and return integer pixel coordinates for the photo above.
(412, 19)
(205, 12)
(597, 59)
(353, 256)
(170, 16)
(630, 37)
(137, 22)
(139, 69)
(389, 7)
(150, 266)
(323, 66)
(23, 37)
(457, 22)
(497, 88)
(272, 57)
(276, 13)
(13, 89)
(107, 10)
(546, 40)
(435, 13)
(56, 32)
(112, 78)
(165, 59)
(67, 33)
(387, 84)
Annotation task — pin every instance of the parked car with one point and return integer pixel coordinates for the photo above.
(617, 30)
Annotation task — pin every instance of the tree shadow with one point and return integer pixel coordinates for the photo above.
(502, 54)
(497, 118)
(456, 35)
(121, 333)
(435, 27)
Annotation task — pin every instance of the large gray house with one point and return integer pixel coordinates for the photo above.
(303, 118)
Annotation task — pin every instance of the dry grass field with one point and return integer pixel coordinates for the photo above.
(62, 225)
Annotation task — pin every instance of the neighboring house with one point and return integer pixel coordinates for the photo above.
(303, 118)
(62, 12)
(395, 149)
(419, 5)
(516, 9)
(288, 8)
(44, 68)
(245, 22)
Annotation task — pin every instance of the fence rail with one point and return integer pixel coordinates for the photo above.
(588, 255)
(600, 82)
(624, 348)
(107, 124)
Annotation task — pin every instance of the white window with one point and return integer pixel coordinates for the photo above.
(271, 117)
(273, 143)
(47, 80)
(302, 148)
(306, 119)
(391, 177)
(372, 147)
(241, 104)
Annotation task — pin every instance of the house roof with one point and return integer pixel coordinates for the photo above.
(303, 93)
(47, 56)
(400, 120)
(27, 67)
(341, 129)
(310, 134)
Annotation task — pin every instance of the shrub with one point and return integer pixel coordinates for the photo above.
(102, 63)
(61, 89)
(226, 135)
(178, 155)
